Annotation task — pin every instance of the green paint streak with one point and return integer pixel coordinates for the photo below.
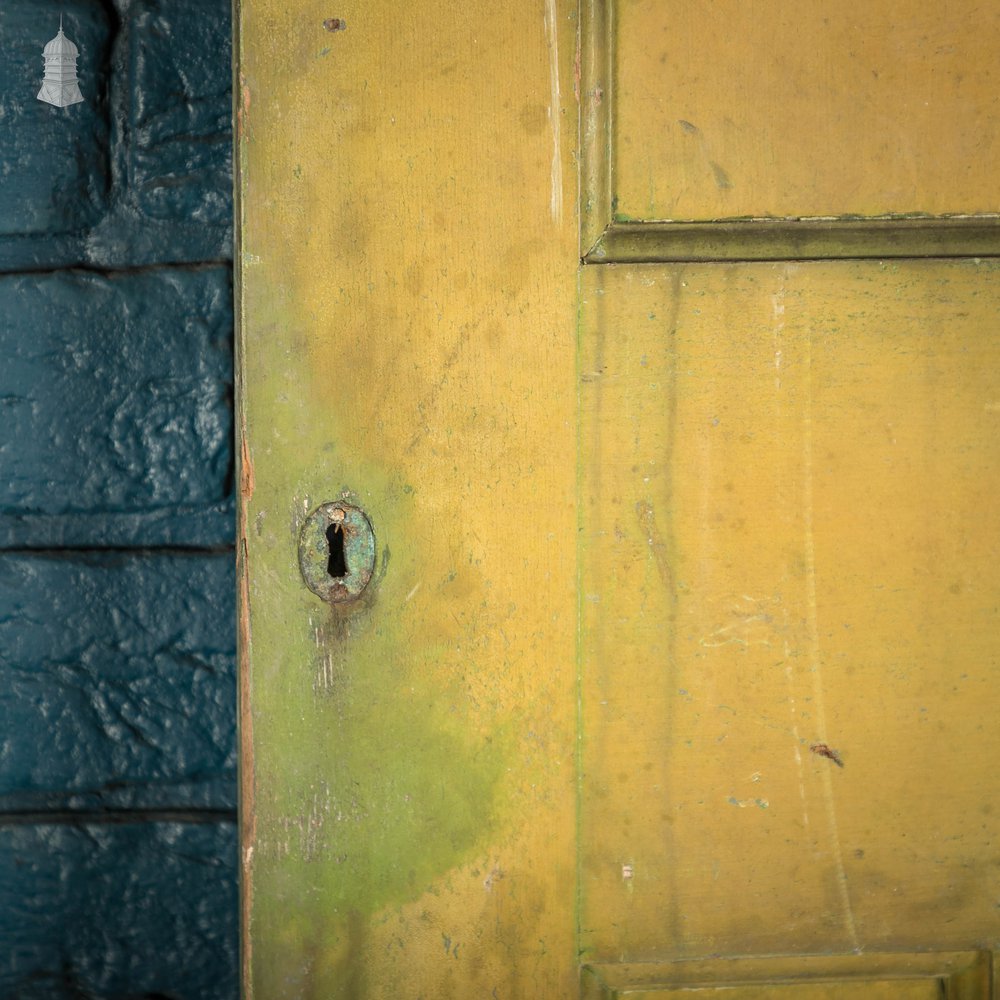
(371, 782)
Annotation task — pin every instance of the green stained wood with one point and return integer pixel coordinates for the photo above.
(408, 758)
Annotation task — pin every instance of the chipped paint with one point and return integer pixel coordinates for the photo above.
(247, 809)
(743, 803)
(822, 750)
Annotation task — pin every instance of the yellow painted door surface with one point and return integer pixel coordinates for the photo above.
(659, 345)
(790, 616)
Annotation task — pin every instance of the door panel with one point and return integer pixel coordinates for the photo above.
(736, 110)
(682, 640)
(762, 131)
(791, 635)
(956, 975)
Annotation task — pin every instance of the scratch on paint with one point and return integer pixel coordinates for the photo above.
(326, 678)
(743, 803)
(555, 112)
(311, 822)
(815, 659)
(656, 542)
(797, 740)
(778, 308)
(729, 640)
(576, 70)
(723, 636)
(494, 876)
(303, 833)
(750, 624)
(429, 399)
(778, 319)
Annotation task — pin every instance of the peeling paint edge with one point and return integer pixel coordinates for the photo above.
(247, 819)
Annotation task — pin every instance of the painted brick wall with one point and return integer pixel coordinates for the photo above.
(117, 652)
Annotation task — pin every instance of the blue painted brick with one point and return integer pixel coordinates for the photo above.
(117, 681)
(54, 176)
(115, 392)
(180, 86)
(118, 912)
(183, 525)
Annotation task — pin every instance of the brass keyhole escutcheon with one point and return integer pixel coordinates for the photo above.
(337, 552)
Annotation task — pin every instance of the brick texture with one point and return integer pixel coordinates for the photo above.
(115, 393)
(180, 162)
(125, 664)
(128, 911)
(140, 173)
(55, 160)
(118, 853)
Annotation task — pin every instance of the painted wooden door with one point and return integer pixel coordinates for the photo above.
(680, 651)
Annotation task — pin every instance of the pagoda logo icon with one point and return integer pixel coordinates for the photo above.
(60, 86)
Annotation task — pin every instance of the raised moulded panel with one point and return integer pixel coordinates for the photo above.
(916, 976)
(816, 114)
(789, 638)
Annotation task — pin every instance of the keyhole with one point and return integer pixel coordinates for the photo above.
(337, 564)
(336, 551)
